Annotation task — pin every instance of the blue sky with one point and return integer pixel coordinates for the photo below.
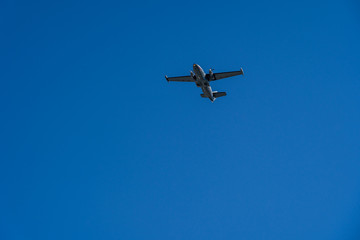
(95, 144)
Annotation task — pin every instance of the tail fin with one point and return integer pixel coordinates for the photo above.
(219, 94)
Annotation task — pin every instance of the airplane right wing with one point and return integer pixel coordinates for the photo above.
(180, 79)
(222, 75)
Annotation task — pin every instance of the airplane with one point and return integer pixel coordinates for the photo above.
(201, 79)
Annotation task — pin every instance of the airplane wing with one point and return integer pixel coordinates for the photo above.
(180, 79)
(222, 75)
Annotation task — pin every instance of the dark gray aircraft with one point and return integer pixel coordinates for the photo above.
(201, 79)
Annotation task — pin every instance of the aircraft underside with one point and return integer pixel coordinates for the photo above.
(202, 80)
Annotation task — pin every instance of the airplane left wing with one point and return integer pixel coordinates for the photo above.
(217, 76)
(180, 79)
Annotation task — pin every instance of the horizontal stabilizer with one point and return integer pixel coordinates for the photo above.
(219, 94)
(215, 94)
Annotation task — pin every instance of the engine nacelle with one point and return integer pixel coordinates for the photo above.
(192, 75)
(211, 74)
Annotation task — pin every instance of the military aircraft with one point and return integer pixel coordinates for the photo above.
(201, 79)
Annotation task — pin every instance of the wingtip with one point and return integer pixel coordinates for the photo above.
(166, 77)
(242, 71)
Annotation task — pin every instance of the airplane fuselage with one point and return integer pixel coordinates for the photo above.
(201, 81)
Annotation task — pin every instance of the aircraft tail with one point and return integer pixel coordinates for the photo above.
(215, 94)
(219, 94)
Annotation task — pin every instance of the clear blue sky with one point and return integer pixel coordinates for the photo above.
(95, 144)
